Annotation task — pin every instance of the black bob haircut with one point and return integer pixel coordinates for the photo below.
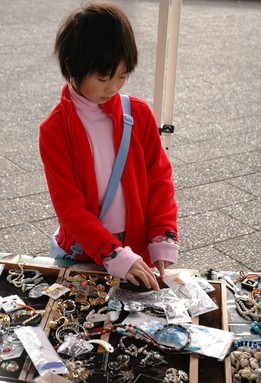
(95, 39)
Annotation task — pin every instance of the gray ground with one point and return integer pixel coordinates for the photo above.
(216, 145)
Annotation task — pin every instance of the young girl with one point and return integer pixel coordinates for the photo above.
(79, 141)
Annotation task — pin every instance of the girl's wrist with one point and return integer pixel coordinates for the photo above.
(163, 238)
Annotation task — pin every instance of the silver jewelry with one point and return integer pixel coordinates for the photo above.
(37, 290)
(123, 360)
(17, 277)
(68, 306)
(152, 358)
(64, 330)
(132, 350)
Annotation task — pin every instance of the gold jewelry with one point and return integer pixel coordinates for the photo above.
(5, 320)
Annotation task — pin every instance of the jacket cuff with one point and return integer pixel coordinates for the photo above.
(163, 251)
(120, 265)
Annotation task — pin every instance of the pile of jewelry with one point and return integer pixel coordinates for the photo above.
(246, 364)
(25, 279)
(84, 319)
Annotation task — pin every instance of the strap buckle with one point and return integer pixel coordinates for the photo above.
(128, 119)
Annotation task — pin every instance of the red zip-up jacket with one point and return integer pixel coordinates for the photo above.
(146, 180)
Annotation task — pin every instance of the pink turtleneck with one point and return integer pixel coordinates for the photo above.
(99, 128)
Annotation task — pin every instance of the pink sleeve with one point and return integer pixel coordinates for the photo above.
(163, 251)
(120, 265)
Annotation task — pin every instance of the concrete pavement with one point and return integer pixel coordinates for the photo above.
(216, 151)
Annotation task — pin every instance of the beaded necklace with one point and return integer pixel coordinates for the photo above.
(139, 334)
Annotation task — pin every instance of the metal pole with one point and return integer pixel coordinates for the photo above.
(166, 67)
(160, 60)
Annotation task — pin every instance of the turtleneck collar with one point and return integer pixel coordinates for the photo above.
(82, 103)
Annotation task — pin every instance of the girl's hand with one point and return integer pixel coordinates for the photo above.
(142, 271)
(161, 266)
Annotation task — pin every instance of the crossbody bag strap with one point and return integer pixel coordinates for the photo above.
(120, 159)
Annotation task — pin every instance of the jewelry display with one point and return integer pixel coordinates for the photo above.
(84, 310)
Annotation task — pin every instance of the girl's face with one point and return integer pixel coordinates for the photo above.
(100, 89)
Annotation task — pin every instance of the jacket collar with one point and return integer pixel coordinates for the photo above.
(111, 107)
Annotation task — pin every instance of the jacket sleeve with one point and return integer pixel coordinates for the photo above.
(162, 207)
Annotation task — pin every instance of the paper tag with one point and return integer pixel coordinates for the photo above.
(55, 291)
(11, 303)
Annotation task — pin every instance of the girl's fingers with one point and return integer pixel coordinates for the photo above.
(141, 272)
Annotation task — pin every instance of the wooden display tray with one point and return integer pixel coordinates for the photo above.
(200, 369)
(206, 370)
(56, 275)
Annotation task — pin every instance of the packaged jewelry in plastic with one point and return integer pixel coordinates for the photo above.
(11, 303)
(203, 283)
(40, 350)
(74, 346)
(156, 299)
(185, 287)
(176, 312)
(204, 340)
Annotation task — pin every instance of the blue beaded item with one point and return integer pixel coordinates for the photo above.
(246, 343)
(256, 327)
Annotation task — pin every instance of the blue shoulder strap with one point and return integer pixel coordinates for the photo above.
(120, 159)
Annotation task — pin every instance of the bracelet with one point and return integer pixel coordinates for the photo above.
(177, 326)
(17, 278)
